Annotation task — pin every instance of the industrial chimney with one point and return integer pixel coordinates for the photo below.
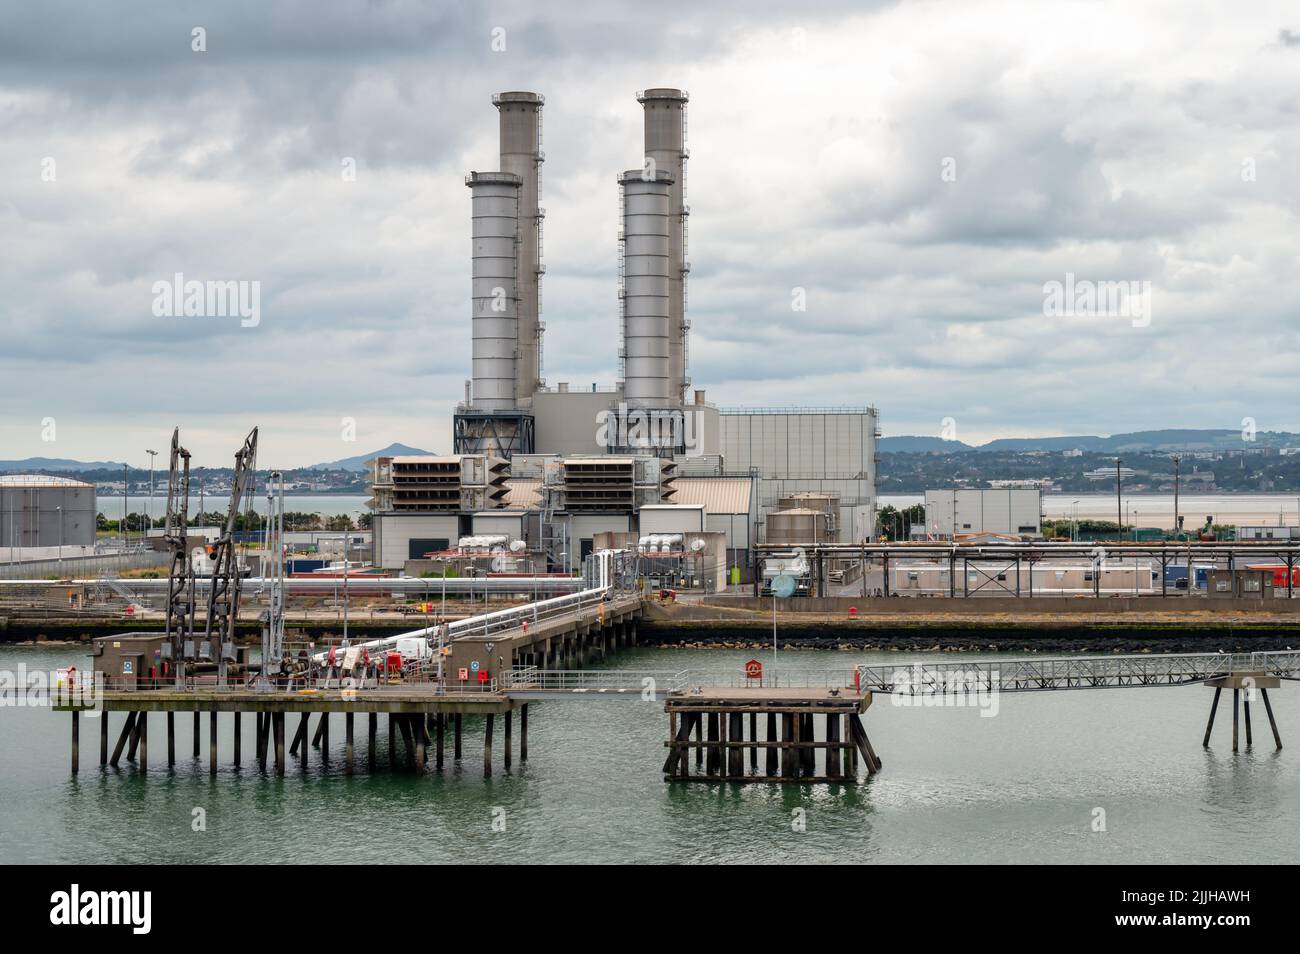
(665, 143)
(646, 286)
(495, 211)
(521, 155)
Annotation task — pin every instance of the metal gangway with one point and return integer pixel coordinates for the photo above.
(1020, 674)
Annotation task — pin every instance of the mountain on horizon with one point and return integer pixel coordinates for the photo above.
(359, 462)
(1169, 439)
(56, 464)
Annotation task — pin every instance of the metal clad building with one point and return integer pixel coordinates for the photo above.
(1015, 510)
(793, 450)
(41, 511)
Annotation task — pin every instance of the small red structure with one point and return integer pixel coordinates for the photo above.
(853, 612)
(754, 669)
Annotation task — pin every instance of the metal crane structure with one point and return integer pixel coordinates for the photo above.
(223, 594)
(273, 619)
(180, 580)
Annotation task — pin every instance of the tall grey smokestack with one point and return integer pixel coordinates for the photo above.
(521, 155)
(646, 228)
(495, 230)
(665, 143)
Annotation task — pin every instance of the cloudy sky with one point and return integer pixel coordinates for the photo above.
(921, 170)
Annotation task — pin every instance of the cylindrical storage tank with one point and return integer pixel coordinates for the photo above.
(809, 500)
(495, 326)
(645, 288)
(665, 143)
(796, 527)
(521, 155)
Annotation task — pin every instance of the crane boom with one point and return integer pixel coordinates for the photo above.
(180, 579)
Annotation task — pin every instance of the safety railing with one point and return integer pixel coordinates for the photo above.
(592, 680)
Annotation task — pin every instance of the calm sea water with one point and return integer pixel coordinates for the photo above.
(328, 505)
(1021, 787)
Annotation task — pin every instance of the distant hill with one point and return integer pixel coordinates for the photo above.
(56, 464)
(920, 445)
(1171, 439)
(359, 462)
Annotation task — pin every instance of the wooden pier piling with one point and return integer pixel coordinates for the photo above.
(348, 749)
(421, 716)
(791, 738)
(372, 726)
(505, 760)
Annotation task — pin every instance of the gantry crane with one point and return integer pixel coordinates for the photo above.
(180, 580)
(223, 593)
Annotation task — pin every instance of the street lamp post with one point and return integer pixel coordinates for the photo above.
(148, 509)
(1177, 461)
(1119, 509)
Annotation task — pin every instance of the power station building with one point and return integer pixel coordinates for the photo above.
(578, 462)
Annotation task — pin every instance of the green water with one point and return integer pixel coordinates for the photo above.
(1020, 787)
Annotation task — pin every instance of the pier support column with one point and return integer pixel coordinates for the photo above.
(278, 719)
(1236, 697)
(712, 765)
(392, 744)
(1268, 707)
(134, 742)
(772, 752)
(212, 743)
(103, 738)
(439, 731)
(1245, 705)
(238, 739)
(833, 763)
(171, 739)
(198, 716)
(699, 740)
(789, 733)
(123, 738)
(417, 733)
(456, 737)
(487, 745)
(304, 730)
(523, 732)
(736, 754)
(372, 729)
(404, 726)
(1214, 707)
(142, 727)
(320, 730)
(753, 737)
(76, 739)
(510, 718)
(850, 753)
(347, 732)
(426, 740)
(325, 738)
